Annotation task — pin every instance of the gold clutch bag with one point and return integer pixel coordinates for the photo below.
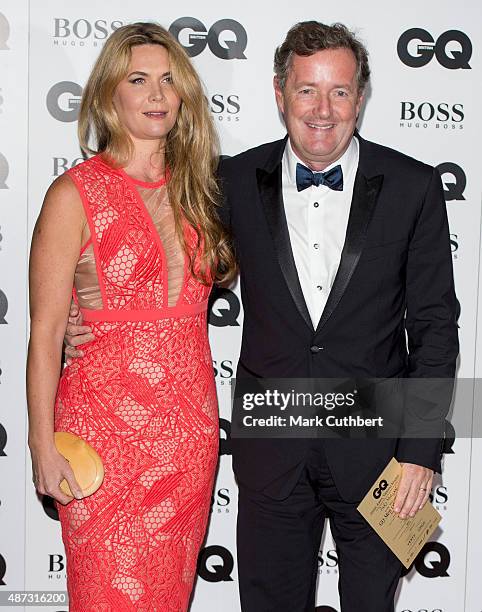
(83, 459)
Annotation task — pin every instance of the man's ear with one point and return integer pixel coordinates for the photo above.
(359, 103)
(278, 92)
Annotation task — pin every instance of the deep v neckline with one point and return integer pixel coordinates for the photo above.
(133, 184)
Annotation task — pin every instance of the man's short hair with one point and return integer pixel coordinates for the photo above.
(308, 37)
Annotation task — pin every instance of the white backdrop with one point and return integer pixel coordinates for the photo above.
(431, 112)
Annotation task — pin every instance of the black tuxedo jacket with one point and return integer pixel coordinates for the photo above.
(395, 277)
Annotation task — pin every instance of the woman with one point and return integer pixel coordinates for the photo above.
(134, 232)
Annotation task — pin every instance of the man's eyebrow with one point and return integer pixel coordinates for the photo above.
(312, 84)
(305, 84)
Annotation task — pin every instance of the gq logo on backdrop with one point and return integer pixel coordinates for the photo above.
(78, 32)
(195, 42)
(50, 508)
(3, 441)
(4, 170)
(224, 442)
(453, 189)
(429, 567)
(3, 308)
(218, 569)
(449, 438)
(4, 32)
(3, 569)
(63, 101)
(222, 316)
(426, 48)
(424, 610)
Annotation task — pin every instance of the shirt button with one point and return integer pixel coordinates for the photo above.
(316, 349)
(316, 204)
(319, 287)
(316, 245)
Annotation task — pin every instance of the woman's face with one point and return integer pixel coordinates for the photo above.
(145, 100)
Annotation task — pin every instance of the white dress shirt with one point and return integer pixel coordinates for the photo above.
(317, 219)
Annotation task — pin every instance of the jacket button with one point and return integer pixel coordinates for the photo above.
(316, 349)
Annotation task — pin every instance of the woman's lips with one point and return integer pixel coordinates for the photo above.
(155, 114)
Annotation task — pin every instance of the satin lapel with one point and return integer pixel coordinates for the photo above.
(269, 186)
(365, 194)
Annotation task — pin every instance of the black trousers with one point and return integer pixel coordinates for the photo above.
(278, 543)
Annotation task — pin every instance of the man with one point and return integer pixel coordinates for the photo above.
(344, 249)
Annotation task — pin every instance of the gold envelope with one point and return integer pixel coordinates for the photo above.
(405, 537)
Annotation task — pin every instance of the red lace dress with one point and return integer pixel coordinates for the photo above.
(144, 397)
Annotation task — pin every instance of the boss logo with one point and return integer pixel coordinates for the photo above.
(426, 111)
(439, 496)
(62, 164)
(220, 500)
(215, 564)
(223, 369)
(4, 32)
(426, 48)
(56, 563)
(83, 29)
(454, 183)
(225, 108)
(454, 244)
(382, 485)
(199, 36)
(328, 559)
(226, 312)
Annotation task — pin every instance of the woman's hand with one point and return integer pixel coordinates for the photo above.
(49, 469)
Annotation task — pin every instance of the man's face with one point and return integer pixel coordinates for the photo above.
(320, 104)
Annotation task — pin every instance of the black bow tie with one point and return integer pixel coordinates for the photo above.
(331, 178)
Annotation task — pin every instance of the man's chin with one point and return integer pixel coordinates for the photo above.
(321, 155)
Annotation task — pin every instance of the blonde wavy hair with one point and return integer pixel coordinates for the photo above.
(192, 150)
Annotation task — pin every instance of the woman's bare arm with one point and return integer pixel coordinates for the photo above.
(56, 244)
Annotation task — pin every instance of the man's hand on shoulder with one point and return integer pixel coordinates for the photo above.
(414, 489)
